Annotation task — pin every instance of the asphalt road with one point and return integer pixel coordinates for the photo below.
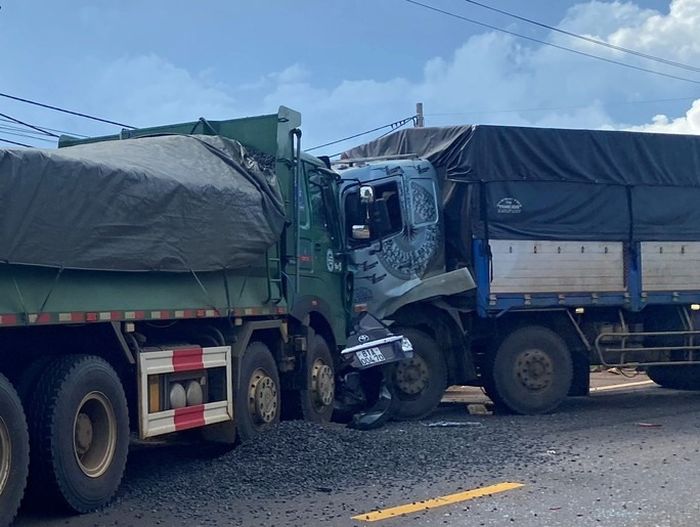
(616, 458)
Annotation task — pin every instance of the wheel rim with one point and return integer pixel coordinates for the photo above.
(322, 384)
(94, 434)
(534, 369)
(5, 455)
(412, 375)
(262, 397)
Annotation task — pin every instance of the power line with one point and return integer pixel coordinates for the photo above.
(587, 39)
(14, 120)
(15, 143)
(9, 131)
(404, 122)
(50, 129)
(545, 43)
(553, 109)
(63, 110)
(393, 126)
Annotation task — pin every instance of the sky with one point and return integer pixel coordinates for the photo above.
(347, 65)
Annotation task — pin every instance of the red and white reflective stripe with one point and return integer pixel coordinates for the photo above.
(169, 421)
(182, 360)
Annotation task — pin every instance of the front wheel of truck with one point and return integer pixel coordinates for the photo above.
(420, 382)
(315, 401)
(79, 433)
(530, 372)
(14, 452)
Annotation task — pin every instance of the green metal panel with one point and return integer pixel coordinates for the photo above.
(27, 289)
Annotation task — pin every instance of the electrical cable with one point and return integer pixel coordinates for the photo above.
(15, 120)
(545, 43)
(404, 122)
(48, 128)
(4, 129)
(400, 122)
(592, 40)
(64, 110)
(15, 143)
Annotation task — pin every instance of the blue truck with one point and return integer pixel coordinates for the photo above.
(515, 258)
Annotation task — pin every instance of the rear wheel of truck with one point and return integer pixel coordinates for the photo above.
(315, 402)
(79, 433)
(530, 372)
(676, 377)
(420, 382)
(14, 452)
(258, 400)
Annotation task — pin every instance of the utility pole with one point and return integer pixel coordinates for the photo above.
(420, 122)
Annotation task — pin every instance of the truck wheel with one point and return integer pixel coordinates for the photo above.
(14, 452)
(676, 377)
(420, 382)
(531, 371)
(258, 401)
(79, 433)
(316, 401)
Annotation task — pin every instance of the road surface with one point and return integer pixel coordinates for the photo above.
(621, 457)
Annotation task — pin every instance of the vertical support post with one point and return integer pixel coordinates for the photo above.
(420, 121)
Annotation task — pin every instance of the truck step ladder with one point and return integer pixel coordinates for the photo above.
(273, 267)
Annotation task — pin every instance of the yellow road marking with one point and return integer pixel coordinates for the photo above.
(620, 386)
(418, 506)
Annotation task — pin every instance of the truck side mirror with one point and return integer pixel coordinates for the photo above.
(366, 194)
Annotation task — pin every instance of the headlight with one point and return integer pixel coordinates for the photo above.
(406, 344)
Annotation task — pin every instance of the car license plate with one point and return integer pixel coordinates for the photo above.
(370, 356)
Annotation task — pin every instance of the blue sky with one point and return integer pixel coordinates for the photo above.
(347, 65)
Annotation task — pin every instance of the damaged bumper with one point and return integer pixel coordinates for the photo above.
(371, 352)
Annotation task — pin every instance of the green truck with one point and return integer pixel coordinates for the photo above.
(173, 278)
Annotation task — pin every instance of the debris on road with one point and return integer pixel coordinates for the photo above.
(451, 424)
(649, 425)
(298, 459)
(478, 409)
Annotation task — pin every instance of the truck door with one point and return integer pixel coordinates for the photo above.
(322, 282)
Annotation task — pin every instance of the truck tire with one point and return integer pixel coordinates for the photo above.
(14, 452)
(531, 371)
(419, 383)
(258, 400)
(315, 402)
(79, 434)
(676, 377)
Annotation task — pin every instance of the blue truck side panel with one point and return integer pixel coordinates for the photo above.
(633, 298)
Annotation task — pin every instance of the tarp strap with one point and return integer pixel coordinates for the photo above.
(630, 212)
(204, 290)
(53, 286)
(485, 219)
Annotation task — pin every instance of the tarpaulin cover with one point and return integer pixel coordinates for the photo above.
(546, 183)
(169, 203)
(510, 153)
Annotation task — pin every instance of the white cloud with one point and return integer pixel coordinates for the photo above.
(688, 124)
(492, 72)
(491, 78)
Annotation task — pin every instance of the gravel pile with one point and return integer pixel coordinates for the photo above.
(301, 459)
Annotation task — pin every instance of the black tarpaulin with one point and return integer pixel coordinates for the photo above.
(170, 203)
(541, 183)
(510, 153)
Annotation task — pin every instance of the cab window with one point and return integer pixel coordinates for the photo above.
(387, 201)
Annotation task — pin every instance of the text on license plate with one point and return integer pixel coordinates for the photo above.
(370, 356)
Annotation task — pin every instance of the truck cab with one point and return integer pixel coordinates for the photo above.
(392, 219)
